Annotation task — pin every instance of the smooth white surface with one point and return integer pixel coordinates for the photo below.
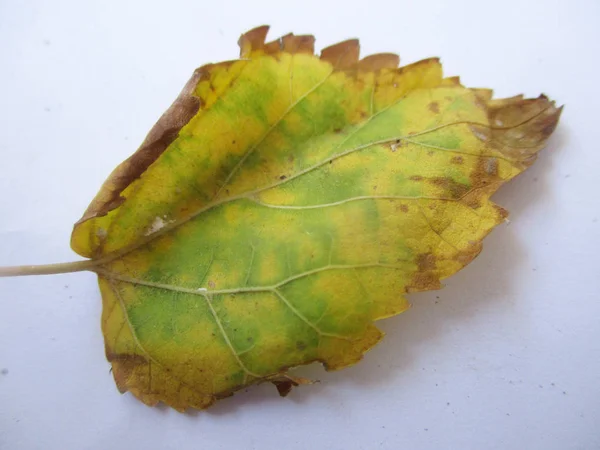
(507, 356)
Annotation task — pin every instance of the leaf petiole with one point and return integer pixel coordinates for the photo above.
(48, 269)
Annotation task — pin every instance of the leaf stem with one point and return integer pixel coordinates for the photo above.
(48, 269)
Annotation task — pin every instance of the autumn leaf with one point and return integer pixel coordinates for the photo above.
(283, 204)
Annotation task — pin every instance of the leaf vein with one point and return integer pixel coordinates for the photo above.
(306, 321)
(275, 124)
(227, 340)
(147, 355)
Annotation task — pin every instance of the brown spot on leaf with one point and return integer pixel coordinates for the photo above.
(425, 262)
(465, 256)
(423, 282)
(284, 387)
(457, 160)
(434, 107)
(503, 213)
(425, 277)
(165, 131)
(403, 208)
(252, 40)
(298, 44)
(491, 167)
(522, 126)
(123, 366)
(416, 178)
(454, 188)
(343, 55)
(379, 61)
(396, 145)
(284, 382)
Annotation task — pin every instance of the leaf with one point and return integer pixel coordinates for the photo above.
(284, 203)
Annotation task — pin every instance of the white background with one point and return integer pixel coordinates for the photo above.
(506, 356)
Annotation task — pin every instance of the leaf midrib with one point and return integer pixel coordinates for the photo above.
(248, 289)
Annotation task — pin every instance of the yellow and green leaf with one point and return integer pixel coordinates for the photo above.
(284, 203)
